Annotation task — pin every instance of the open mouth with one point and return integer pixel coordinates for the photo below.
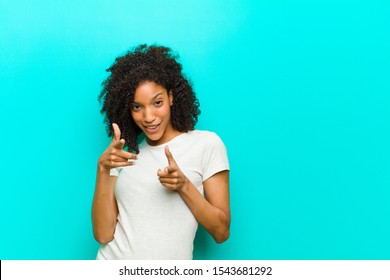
(151, 128)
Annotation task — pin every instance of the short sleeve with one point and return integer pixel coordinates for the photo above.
(214, 156)
(115, 171)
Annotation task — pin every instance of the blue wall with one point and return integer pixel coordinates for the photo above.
(298, 91)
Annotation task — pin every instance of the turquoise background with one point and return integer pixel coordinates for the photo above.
(298, 91)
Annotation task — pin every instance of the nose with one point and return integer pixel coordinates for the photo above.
(149, 115)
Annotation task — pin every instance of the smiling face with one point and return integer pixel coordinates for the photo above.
(151, 111)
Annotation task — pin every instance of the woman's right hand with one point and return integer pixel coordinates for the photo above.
(114, 155)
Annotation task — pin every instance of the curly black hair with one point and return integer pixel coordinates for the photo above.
(146, 64)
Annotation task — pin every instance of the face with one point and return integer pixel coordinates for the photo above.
(151, 111)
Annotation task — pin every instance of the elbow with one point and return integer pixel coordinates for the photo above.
(103, 232)
(222, 236)
(102, 238)
(222, 231)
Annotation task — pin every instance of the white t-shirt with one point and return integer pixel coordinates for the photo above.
(154, 222)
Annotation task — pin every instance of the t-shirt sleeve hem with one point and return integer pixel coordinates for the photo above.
(215, 171)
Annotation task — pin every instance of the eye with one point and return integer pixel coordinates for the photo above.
(158, 103)
(135, 107)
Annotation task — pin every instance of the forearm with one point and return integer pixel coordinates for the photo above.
(213, 219)
(104, 207)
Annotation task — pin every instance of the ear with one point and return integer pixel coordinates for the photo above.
(170, 96)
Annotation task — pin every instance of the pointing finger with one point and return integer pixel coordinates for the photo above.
(171, 160)
(117, 132)
(116, 139)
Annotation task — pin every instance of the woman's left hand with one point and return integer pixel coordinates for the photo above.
(171, 177)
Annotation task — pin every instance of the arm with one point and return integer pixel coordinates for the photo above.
(104, 206)
(213, 213)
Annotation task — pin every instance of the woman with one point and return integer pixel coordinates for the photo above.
(150, 198)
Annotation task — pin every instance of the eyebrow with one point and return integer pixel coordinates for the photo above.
(153, 98)
(156, 95)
